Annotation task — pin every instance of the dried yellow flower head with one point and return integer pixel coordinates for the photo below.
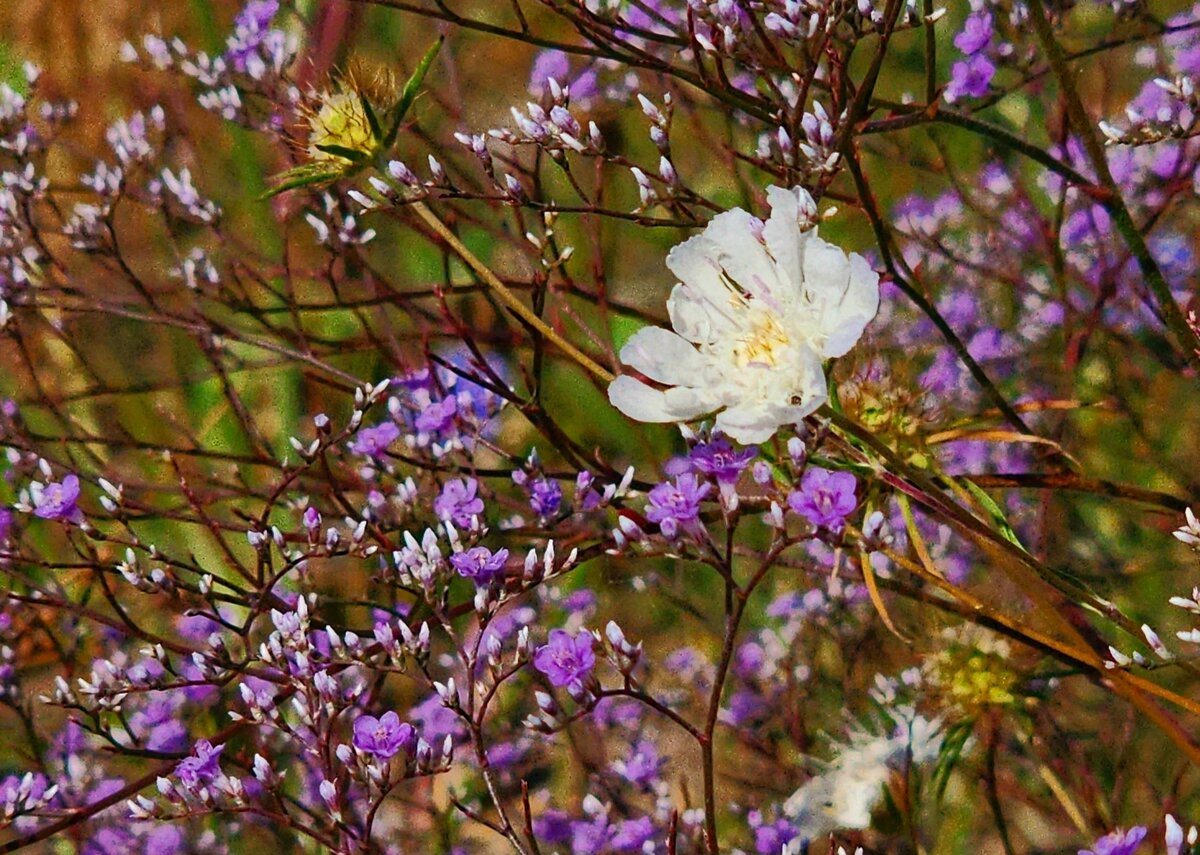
(339, 122)
(891, 407)
(350, 125)
(972, 671)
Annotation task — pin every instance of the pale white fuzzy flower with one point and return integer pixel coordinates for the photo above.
(846, 792)
(758, 307)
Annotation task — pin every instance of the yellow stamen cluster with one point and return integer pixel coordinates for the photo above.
(762, 345)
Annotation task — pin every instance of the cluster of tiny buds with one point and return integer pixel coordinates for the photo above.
(623, 655)
(494, 650)
(1175, 835)
(660, 122)
(364, 397)
(335, 228)
(876, 534)
(1189, 533)
(419, 759)
(9, 689)
(1191, 605)
(156, 580)
(274, 55)
(818, 148)
(398, 642)
(551, 127)
(552, 257)
(1174, 120)
(222, 790)
(401, 183)
(548, 718)
(109, 683)
(129, 138)
(1121, 660)
(24, 798)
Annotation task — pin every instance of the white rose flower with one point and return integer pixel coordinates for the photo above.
(758, 307)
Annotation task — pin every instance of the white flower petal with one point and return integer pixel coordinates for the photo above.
(846, 322)
(743, 256)
(696, 263)
(784, 236)
(749, 423)
(826, 271)
(639, 401)
(695, 317)
(663, 356)
(646, 404)
(689, 402)
(844, 293)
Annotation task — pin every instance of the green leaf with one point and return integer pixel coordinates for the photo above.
(301, 176)
(994, 511)
(835, 402)
(351, 154)
(409, 93)
(372, 119)
(951, 751)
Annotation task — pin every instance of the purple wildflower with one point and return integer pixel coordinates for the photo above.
(374, 441)
(1091, 222)
(1182, 44)
(770, 837)
(458, 502)
(6, 519)
(436, 720)
(417, 379)
(553, 826)
(160, 729)
(825, 498)
(676, 505)
(566, 659)
(10, 786)
(438, 417)
(1117, 842)
(642, 767)
(164, 840)
(257, 14)
(506, 755)
(249, 31)
(548, 64)
(582, 601)
(383, 737)
(976, 34)
(545, 497)
(655, 15)
(109, 841)
(745, 707)
(202, 766)
(632, 835)
(719, 459)
(58, 501)
(480, 564)
(555, 64)
(749, 660)
(590, 837)
(970, 78)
